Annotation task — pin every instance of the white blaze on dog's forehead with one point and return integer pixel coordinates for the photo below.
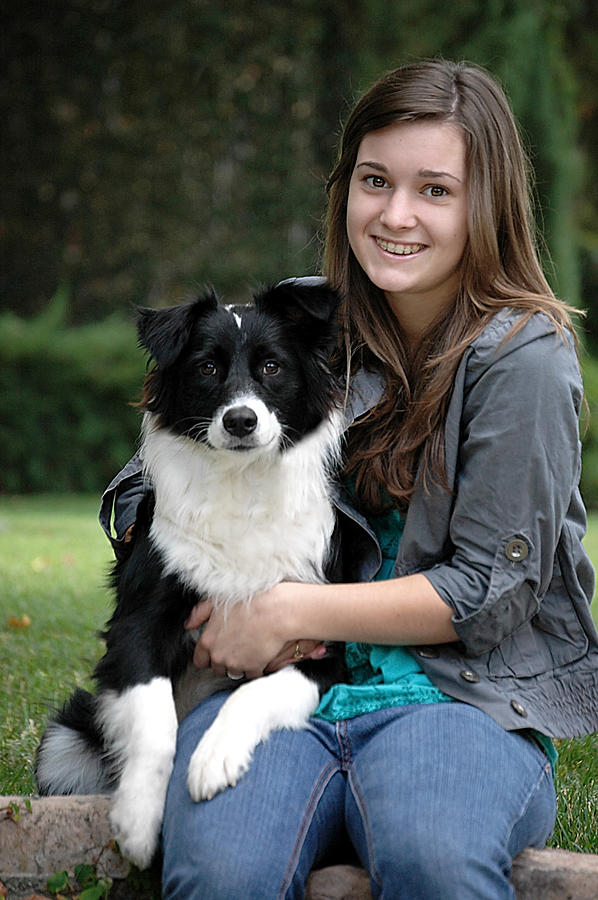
(230, 309)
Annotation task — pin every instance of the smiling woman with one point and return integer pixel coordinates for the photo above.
(465, 592)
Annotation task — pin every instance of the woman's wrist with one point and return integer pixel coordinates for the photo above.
(289, 606)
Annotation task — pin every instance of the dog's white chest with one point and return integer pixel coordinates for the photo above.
(230, 530)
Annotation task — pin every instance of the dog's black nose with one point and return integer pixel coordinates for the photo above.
(240, 421)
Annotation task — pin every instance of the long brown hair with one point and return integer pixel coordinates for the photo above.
(500, 267)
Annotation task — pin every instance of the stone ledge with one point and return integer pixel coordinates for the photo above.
(57, 833)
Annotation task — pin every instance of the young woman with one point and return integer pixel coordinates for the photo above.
(466, 611)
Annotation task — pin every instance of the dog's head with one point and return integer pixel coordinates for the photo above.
(243, 378)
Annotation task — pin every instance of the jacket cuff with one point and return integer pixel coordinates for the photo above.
(510, 596)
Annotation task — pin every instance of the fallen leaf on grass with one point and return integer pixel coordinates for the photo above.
(23, 621)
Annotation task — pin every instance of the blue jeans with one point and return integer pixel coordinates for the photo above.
(436, 799)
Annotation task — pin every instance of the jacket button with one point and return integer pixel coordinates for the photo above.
(468, 675)
(516, 550)
(428, 652)
(519, 709)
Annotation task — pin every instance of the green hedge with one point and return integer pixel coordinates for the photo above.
(66, 421)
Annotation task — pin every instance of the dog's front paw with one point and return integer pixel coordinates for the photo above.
(220, 759)
(136, 826)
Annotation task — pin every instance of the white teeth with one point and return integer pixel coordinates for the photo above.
(399, 249)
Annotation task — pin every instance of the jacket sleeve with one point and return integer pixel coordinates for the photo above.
(518, 468)
(118, 509)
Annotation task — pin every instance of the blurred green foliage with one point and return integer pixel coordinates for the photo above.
(589, 475)
(66, 423)
(151, 149)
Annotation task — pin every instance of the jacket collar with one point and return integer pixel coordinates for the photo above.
(365, 391)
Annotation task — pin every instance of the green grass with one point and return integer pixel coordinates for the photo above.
(54, 559)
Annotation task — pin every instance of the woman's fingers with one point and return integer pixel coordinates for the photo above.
(199, 615)
(295, 651)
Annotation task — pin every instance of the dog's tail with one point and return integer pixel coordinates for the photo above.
(71, 758)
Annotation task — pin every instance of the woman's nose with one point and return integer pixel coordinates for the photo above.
(398, 211)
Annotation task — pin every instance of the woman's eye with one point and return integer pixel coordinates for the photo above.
(271, 367)
(375, 181)
(208, 368)
(436, 190)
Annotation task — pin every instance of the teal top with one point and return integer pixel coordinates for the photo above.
(381, 676)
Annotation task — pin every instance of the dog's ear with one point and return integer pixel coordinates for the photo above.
(164, 332)
(312, 308)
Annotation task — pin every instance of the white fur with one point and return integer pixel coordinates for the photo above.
(230, 308)
(67, 765)
(269, 509)
(284, 700)
(140, 727)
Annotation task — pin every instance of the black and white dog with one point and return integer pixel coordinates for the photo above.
(240, 437)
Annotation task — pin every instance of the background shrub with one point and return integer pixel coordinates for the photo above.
(66, 422)
(589, 472)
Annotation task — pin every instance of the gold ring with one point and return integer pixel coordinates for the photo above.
(298, 654)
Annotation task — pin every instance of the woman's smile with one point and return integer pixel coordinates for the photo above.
(399, 249)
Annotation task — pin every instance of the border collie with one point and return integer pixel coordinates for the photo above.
(240, 437)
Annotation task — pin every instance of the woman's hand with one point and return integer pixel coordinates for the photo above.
(250, 638)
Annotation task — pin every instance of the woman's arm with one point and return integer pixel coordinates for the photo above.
(261, 636)
(517, 476)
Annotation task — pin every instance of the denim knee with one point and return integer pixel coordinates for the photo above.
(225, 876)
(441, 799)
(258, 839)
(440, 864)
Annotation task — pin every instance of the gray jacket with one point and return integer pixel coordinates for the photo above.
(503, 547)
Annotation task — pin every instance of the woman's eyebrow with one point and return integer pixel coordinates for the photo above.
(423, 173)
(431, 173)
(371, 164)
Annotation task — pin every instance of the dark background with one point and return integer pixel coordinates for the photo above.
(151, 148)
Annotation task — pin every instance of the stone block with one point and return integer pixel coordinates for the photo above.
(40, 836)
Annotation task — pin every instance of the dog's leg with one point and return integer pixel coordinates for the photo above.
(140, 727)
(283, 700)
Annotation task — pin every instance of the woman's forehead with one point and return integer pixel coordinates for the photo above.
(435, 148)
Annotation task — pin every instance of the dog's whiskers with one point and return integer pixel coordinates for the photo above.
(199, 429)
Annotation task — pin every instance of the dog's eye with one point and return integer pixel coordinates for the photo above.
(208, 368)
(271, 367)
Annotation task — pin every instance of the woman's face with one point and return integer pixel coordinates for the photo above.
(407, 216)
